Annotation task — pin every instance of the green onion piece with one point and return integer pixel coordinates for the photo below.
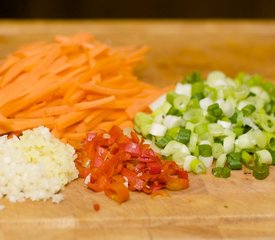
(198, 167)
(212, 107)
(273, 156)
(235, 156)
(183, 135)
(162, 110)
(198, 96)
(174, 111)
(180, 102)
(248, 109)
(193, 115)
(210, 92)
(234, 160)
(217, 150)
(221, 172)
(217, 112)
(173, 132)
(197, 88)
(221, 161)
(193, 142)
(216, 130)
(192, 78)
(205, 150)
(234, 117)
(211, 119)
(261, 171)
(238, 131)
(246, 156)
(170, 97)
(194, 103)
(271, 141)
(234, 165)
(143, 123)
(162, 142)
(264, 156)
(201, 128)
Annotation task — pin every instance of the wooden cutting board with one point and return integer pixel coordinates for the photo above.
(238, 207)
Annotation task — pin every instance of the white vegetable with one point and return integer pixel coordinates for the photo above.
(157, 130)
(248, 122)
(184, 89)
(35, 166)
(205, 103)
(172, 121)
(216, 78)
(245, 141)
(264, 156)
(174, 147)
(228, 144)
(207, 161)
(227, 108)
(260, 93)
(158, 103)
(225, 124)
(221, 160)
(187, 162)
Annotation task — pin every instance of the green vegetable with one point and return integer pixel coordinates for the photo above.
(229, 121)
(198, 167)
(261, 171)
(183, 135)
(221, 172)
(205, 150)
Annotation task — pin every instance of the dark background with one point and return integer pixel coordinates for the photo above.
(91, 9)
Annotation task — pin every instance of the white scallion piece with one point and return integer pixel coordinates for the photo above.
(158, 130)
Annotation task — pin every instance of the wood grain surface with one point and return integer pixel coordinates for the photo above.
(236, 208)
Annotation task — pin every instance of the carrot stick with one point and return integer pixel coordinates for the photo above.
(92, 87)
(94, 104)
(71, 85)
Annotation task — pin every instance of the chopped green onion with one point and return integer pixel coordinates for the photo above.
(183, 135)
(206, 160)
(238, 130)
(261, 171)
(193, 115)
(188, 162)
(221, 172)
(193, 77)
(221, 161)
(180, 102)
(193, 142)
(162, 142)
(217, 150)
(170, 97)
(234, 161)
(201, 128)
(205, 150)
(248, 109)
(198, 167)
(264, 156)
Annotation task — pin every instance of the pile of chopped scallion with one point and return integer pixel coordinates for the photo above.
(218, 121)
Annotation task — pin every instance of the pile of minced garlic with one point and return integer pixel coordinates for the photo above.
(35, 166)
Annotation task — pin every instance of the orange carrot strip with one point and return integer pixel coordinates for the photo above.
(22, 124)
(94, 104)
(69, 119)
(10, 61)
(92, 87)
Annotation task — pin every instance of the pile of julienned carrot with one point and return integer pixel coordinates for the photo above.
(71, 85)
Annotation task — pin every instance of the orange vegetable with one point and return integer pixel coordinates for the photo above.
(71, 85)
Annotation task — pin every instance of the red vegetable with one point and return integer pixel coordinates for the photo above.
(115, 160)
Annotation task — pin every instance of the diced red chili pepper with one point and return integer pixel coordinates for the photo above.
(115, 157)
